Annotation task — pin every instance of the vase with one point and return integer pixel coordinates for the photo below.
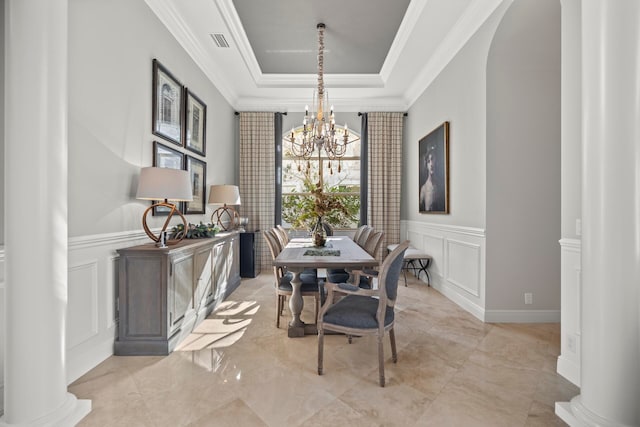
(318, 233)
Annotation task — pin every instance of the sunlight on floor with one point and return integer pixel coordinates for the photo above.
(222, 328)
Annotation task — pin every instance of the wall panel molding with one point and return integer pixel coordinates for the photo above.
(463, 266)
(82, 303)
(571, 309)
(458, 268)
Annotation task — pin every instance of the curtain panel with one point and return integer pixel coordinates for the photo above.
(385, 175)
(257, 176)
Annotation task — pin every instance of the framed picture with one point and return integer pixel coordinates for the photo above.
(434, 171)
(195, 124)
(166, 157)
(167, 110)
(198, 172)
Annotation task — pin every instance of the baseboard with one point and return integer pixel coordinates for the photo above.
(449, 292)
(522, 316)
(564, 412)
(569, 370)
(79, 364)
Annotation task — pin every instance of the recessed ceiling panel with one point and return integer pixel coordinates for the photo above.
(284, 39)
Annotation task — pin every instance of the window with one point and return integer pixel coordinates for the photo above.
(299, 177)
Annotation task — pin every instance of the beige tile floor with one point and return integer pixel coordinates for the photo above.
(239, 370)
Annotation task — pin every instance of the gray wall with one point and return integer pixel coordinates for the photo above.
(504, 108)
(523, 158)
(111, 48)
(457, 95)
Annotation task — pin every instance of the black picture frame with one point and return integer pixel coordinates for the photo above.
(168, 106)
(198, 175)
(195, 129)
(166, 157)
(433, 180)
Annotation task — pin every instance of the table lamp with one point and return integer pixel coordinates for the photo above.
(226, 217)
(164, 184)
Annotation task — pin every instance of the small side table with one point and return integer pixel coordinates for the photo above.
(411, 257)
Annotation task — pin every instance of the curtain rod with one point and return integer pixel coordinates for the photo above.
(403, 114)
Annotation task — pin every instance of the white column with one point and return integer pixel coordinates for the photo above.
(610, 368)
(35, 182)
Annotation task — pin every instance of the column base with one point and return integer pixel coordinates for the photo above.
(68, 415)
(576, 414)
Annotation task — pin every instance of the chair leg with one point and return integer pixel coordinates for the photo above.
(320, 350)
(381, 360)
(392, 338)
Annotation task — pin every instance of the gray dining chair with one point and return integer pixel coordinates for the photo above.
(364, 311)
(283, 287)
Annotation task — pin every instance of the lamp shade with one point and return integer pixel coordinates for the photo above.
(224, 195)
(164, 183)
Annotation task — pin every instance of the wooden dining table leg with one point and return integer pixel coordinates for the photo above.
(296, 326)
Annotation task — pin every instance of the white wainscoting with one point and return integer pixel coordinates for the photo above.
(458, 268)
(570, 327)
(92, 291)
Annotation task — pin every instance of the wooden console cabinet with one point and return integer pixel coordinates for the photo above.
(164, 293)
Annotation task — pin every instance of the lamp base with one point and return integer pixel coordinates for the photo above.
(161, 239)
(226, 218)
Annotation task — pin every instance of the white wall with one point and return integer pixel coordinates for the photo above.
(503, 107)
(111, 48)
(457, 240)
(523, 161)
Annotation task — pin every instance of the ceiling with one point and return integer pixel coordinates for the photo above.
(379, 54)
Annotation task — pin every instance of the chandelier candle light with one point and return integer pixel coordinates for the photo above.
(318, 131)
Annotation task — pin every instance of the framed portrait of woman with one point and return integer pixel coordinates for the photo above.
(434, 171)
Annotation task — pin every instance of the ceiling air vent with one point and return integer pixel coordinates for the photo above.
(219, 39)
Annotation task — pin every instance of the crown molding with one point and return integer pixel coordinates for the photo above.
(172, 20)
(471, 20)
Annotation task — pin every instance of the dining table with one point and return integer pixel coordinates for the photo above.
(300, 254)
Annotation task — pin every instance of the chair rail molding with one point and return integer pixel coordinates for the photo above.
(458, 267)
(458, 270)
(92, 294)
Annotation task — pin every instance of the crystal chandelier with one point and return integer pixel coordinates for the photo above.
(318, 131)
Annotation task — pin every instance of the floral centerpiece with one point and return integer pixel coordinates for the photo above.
(324, 204)
(194, 231)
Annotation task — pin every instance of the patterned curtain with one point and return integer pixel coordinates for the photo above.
(385, 175)
(257, 176)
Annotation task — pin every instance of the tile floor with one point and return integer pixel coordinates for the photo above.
(239, 370)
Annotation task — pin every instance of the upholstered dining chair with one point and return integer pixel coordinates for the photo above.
(364, 235)
(365, 276)
(282, 234)
(364, 311)
(309, 278)
(371, 246)
(359, 231)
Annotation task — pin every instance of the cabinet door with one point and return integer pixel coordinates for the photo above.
(221, 269)
(180, 289)
(202, 285)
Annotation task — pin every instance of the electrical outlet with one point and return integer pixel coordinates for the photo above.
(528, 298)
(571, 343)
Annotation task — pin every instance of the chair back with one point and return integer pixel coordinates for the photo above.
(359, 231)
(275, 248)
(390, 274)
(282, 234)
(373, 243)
(362, 239)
